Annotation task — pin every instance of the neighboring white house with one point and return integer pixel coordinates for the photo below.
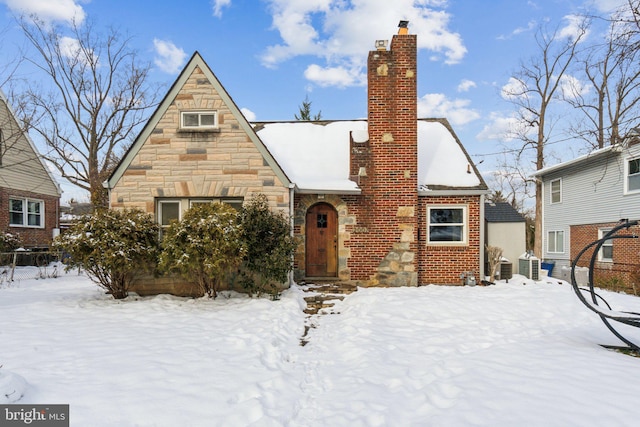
(584, 198)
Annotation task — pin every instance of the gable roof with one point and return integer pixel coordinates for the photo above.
(501, 212)
(29, 146)
(196, 61)
(613, 149)
(316, 155)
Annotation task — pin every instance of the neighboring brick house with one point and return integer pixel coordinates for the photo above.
(391, 200)
(584, 198)
(29, 195)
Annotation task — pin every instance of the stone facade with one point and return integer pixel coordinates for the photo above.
(173, 162)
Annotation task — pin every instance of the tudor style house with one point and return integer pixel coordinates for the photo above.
(583, 199)
(391, 200)
(29, 195)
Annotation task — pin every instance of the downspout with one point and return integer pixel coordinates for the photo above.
(105, 184)
(291, 229)
(482, 231)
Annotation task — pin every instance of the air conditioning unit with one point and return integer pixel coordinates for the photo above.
(529, 266)
(506, 270)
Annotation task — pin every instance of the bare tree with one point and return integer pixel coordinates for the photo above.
(611, 108)
(99, 98)
(532, 90)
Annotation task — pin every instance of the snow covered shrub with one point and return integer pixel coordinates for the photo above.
(204, 246)
(269, 247)
(112, 246)
(9, 242)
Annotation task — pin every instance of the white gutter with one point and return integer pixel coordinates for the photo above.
(482, 231)
(292, 224)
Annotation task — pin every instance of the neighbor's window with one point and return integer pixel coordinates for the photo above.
(447, 225)
(555, 241)
(556, 191)
(198, 120)
(606, 250)
(633, 175)
(26, 212)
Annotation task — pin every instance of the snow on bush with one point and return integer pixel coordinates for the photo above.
(269, 247)
(9, 242)
(205, 246)
(112, 246)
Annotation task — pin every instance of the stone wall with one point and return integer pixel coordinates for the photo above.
(178, 163)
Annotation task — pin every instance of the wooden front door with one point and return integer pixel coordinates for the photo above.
(322, 241)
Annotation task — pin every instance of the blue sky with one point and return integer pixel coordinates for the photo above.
(270, 54)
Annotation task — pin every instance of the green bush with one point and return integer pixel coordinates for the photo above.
(269, 247)
(9, 242)
(112, 246)
(204, 246)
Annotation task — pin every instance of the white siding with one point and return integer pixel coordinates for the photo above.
(21, 168)
(592, 192)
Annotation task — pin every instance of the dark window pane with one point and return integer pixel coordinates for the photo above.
(322, 220)
(208, 119)
(169, 212)
(190, 120)
(448, 233)
(446, 216)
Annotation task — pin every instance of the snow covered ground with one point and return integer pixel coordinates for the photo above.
(518, 353)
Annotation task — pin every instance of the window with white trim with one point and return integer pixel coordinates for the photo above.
(199, 119)
(605, 254)
(447, 225)
(556, 191)
(169, 210)
(632, 175)
(24, 212)
(555, 242)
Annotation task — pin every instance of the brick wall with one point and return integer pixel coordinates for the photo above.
(623, 274)
(31, 237)
(443, 264)
(386, 210)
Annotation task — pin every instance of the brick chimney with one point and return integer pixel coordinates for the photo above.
(391, 187)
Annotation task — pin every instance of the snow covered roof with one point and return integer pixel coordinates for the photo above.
(316, 155)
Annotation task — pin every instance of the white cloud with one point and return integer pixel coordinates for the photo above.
(513, 89)
(218, 5)
(465, 85)
(531, 25)
(572, 87)
(335, 76)
(248, 114)
(457, 111)
(504, 128)
(70, 48)
(342, 32)
(169, 58)
(49, 10)
(574, 28)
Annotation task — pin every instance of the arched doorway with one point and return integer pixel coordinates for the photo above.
(321, 231)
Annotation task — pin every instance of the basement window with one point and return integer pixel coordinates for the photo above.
(195, 120)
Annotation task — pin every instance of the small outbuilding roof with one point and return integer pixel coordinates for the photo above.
(501, 212)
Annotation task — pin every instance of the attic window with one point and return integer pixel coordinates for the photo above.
(198, 119)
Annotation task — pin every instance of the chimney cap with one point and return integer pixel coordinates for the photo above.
(403, 24)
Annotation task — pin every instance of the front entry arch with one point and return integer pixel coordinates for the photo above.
(321, 249)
